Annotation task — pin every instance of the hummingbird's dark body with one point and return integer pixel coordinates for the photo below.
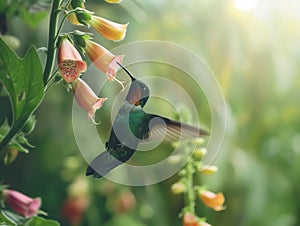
(131, 126)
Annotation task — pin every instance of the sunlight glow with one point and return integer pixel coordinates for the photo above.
(245, 5)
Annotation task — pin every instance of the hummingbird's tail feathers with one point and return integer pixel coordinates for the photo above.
(173, 130)
(126, 70)
(102, 164)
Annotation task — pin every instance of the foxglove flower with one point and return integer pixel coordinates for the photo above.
(212, 200)
(103, 59)
(70, 62)
(86, 98)
(108, 29)
(21, 203)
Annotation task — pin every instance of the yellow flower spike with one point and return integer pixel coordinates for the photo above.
(212, 200)
(108, 29)
(113, 1)
(178, 188)
(208, 170)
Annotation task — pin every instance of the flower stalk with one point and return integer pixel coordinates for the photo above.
(51, 40)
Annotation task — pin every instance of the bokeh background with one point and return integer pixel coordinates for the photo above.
(253, 48)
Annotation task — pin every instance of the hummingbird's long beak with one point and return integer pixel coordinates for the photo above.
(125, 69)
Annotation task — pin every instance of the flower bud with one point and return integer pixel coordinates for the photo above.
(208, 170)
(10, 155)
(199, 140)
(199, 152)
(178, 188)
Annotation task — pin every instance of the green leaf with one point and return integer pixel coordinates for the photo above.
(5, 221)
(39, 221)
(23, 80)
(11, 218)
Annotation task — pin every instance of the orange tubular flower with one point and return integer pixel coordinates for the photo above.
(212, 200)
(190, 220)
(70, 62)
(108, 29)
(104, 60)
(86, 98)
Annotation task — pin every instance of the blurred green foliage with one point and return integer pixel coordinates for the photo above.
(255, 57)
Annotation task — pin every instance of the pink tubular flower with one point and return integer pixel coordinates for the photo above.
(86, 98)
(70, 62)
(103, 59)
(21, 203)
(212, 200)
(108, 29)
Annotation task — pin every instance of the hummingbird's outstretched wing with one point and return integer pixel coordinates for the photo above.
(160, 126)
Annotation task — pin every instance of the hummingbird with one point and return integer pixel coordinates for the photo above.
(133, 125)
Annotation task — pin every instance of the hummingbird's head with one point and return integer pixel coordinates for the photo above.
(138, 93)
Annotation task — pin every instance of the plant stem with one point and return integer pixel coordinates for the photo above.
(190, 194)
(51, 40)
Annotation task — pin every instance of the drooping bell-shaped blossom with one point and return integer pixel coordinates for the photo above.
(70, 62)
(103, 59)
(108, 29)
(21, 203)
(86, 98)
(212, 200)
